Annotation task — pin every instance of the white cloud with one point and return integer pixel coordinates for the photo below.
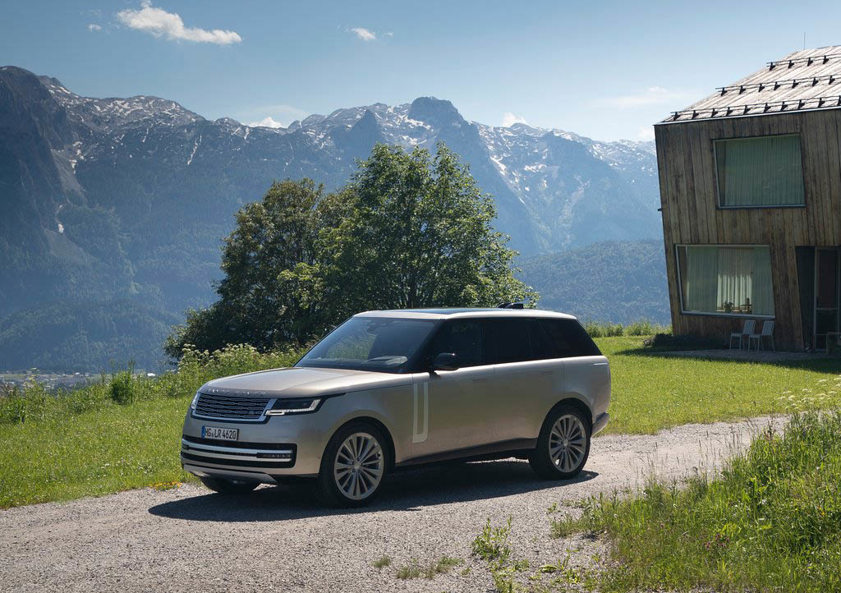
(651, 96)
(509, 119)
(266, 122)
(645, 133)
(161, 23)
(94, 27)
(364, 34)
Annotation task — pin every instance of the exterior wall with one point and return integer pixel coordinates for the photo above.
(686, 162)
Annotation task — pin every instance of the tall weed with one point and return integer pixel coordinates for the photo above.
(32, 401)
(772, 521)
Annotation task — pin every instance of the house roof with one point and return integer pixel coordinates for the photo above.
(802, 81)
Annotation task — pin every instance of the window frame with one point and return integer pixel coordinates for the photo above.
(718, 195)
(738, 315)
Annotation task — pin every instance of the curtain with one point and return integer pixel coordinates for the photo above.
(764, 171)
(763, 294)
(735, 270)
(699, 291)
(727, 279)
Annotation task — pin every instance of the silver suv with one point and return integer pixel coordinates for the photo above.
(390, 389)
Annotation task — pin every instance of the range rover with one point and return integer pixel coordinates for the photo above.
(391, 389)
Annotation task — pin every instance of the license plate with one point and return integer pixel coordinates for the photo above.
(219, 433)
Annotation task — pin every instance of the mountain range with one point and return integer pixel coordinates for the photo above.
(115, 208)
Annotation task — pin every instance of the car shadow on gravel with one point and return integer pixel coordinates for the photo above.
(401, 491)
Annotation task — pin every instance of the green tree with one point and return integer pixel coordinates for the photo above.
(409, 230)
(418, 233)
(270, 292)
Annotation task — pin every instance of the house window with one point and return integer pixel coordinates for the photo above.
(731, 280)
(759, 172)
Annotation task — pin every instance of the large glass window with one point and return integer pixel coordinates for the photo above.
(759, 172)
(725, 280)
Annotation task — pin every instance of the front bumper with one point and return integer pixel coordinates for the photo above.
(206, 457)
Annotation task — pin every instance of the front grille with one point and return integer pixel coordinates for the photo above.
(226, 406)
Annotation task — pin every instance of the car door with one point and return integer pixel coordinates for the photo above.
(449, 412)
(522, 381)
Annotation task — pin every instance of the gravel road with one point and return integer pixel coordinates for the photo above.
(279, 539)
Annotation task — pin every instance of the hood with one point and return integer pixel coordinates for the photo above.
(301, 382)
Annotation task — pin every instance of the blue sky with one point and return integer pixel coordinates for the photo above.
(606, 70)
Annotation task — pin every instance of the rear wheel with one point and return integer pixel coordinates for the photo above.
(563, 445)
(226, 486)
(353, 466)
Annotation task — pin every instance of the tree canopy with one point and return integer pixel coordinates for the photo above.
(410, 229)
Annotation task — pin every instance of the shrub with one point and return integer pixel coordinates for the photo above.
(32, 401)
(601, 329)
(122, 387)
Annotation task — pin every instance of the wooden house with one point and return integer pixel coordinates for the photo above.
(750, 189)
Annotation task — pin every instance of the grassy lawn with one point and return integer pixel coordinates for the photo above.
(651, 392)
(125, 434)
(97, 452)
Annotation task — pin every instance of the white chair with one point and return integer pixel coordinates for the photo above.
(748, 329)
(767, 332)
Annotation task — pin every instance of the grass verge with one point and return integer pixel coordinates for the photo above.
(772, 521)
(651, 391)
(120, 433)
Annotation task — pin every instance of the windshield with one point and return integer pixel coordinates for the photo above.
(370, 344)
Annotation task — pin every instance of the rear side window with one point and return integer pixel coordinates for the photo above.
(562, 338)
(508, 340)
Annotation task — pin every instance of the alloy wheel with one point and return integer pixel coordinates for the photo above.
(359, 466)
(567, 442)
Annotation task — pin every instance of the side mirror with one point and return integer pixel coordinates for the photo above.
(445, 361)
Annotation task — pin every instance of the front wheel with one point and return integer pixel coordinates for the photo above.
(353, 466)
(563, 445)
(225, 486)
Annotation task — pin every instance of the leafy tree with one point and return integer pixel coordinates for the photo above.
(418, 232)
(408, 230)
(269, 293)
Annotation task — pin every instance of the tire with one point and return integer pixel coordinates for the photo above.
(563, 445)
(226, 486)
(353, 466)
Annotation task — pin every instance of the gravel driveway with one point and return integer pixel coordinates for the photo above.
(279, 539)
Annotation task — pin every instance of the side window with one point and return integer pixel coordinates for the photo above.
(507, 340)
(462, 337)
(562, 338)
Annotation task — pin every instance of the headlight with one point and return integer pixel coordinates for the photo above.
(282, 407)
(195, 401)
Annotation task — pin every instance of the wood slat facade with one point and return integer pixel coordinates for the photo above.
(691, 215)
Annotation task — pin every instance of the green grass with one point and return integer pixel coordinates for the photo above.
(93, 453)
(122, 431)
(414, 570)
(771, 522)
(651, 391)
